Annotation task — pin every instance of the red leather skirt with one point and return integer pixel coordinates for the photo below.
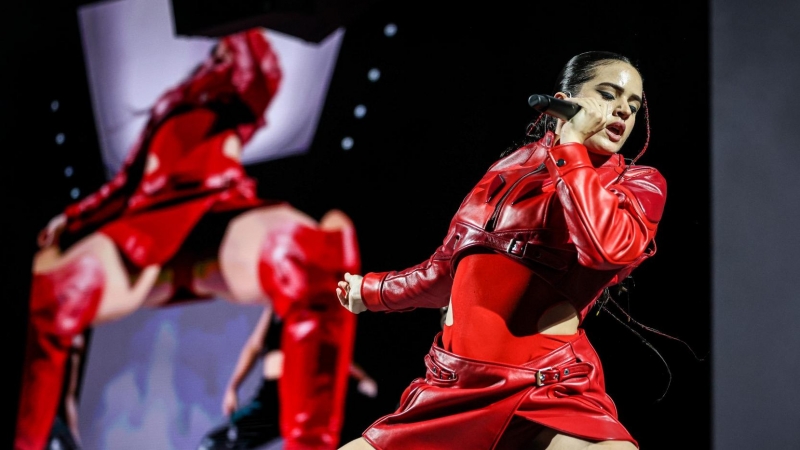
(470, 404)
(154, 236)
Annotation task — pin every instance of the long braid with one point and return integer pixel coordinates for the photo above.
(647, 343)
(646, 139)
(606, 297)
(647, 129)
(609, 298)
(531, 130)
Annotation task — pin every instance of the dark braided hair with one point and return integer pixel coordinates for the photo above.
(575, 73)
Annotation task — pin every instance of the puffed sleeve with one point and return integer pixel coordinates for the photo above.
(612, 227)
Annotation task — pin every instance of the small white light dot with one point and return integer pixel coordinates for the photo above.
(390, 29)
(75, 192)
(54, 105)
(347, 143)
(374, 74)
(68, 171)
(60, 138)
(360, 111)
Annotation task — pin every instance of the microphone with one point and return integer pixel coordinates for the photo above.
(552, 106)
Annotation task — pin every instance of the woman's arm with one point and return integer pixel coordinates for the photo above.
(244, 364)
(366, 384)
(611, 227)
(426, 285)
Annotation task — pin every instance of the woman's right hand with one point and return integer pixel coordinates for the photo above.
(50, 234)
(590, 119)
(349, 293)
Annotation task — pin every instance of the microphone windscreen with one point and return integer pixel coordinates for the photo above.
(537, 101)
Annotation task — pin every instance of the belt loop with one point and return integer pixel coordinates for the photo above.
(439, 373)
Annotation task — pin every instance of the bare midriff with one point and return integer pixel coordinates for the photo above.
(496, 315)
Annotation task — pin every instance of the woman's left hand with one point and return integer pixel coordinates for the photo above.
(349, 293)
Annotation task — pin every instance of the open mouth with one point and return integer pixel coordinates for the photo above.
(615, 131)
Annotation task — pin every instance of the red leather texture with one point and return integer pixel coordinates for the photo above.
(468, 404)
(63, 304)
(298, 263)
(580, 222)
(317, 342)
(183, 140)
(299, 269)
(580, 226)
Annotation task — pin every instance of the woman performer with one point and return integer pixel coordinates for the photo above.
(548, 229)
(181, 221)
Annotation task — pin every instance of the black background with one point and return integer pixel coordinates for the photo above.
(451, 96)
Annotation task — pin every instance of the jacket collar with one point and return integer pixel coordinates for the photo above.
(615, 162)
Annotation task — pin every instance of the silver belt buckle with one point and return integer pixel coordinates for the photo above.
(540, 376)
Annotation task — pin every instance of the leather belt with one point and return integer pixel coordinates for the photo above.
(543, 377)
(554, 375)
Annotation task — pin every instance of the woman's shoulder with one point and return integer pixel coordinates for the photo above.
(649, 187)
(643, 173)
(514, 157)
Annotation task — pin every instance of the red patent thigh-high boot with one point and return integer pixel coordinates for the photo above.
(318, 333)
(317, 345)
(62, 305)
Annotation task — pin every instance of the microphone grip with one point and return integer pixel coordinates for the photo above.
(552, 106)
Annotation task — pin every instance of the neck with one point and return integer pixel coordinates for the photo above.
(598, 159)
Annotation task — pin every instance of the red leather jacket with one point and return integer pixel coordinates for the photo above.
(580, 226)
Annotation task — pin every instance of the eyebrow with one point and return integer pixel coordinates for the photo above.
(619, 89)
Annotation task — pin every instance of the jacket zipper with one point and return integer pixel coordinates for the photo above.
(493, 220)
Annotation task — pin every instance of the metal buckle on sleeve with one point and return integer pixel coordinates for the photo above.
(516, 247)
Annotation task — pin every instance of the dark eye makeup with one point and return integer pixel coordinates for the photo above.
(610, 96)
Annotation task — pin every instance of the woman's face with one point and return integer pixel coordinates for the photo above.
(223, 53)
(620, 85)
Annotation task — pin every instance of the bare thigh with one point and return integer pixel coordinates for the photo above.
(549, 439)
(241, 249)
(162, 290)
(233, 275)
(357, 444)
(545, 440)
(335, 220)
(123, 292)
